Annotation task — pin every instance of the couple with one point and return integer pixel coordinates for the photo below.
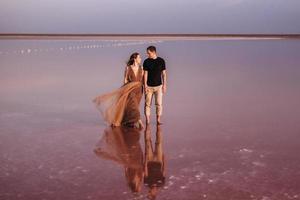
(122, 145)
(121, 107)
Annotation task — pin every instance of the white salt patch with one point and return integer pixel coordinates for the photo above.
(171, 183)
(225, 172)
(259, 164)
(172, 177)
(210, 180)
(199, 176)
(246, 150)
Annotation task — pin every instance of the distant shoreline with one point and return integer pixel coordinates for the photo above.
(168, 36)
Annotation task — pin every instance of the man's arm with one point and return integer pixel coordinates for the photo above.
(164, 74)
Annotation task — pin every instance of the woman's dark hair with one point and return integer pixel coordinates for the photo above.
(151, 48)
(132, 57)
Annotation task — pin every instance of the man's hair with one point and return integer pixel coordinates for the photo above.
(151, 48)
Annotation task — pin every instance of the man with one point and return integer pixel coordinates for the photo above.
(155, 82)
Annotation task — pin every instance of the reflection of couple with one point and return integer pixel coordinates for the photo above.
(121, 106)
(121, 144)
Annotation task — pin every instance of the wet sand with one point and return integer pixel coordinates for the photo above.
(231, 122)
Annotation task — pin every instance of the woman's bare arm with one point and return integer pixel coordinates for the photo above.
(126, 75)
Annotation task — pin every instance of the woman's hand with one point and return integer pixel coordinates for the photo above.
(145, 88)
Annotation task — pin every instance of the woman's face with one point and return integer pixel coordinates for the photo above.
(138, 59)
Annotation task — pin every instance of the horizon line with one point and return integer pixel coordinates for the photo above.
(144, 35)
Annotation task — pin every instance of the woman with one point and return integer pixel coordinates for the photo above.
(121, 107)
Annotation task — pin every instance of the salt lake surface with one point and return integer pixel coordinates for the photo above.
(231, 121)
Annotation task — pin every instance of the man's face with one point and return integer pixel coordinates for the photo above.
(151, 54)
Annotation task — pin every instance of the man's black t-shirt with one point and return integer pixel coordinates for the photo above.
(154, 67)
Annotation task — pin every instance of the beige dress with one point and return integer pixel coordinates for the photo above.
(122, 145)
(121, 107)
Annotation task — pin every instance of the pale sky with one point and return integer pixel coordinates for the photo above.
(152, 16)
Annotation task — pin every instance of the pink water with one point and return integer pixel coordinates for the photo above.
(231, 119)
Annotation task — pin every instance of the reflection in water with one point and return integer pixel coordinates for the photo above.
(154, 173)
(121, 144)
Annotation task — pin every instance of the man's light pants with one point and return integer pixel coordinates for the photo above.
(157, 92)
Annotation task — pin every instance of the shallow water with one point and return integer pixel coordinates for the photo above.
(231, 120)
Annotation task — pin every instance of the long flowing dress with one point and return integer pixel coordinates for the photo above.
(121, 106)
(121, 144)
